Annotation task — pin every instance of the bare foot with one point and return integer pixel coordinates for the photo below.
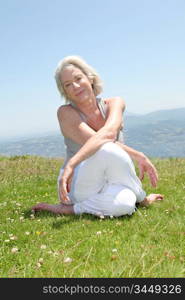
(54, 208)
(151, 198)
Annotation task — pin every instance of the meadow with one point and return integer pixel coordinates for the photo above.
(150, 243)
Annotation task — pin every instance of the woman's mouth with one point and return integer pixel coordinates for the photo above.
(79, 93)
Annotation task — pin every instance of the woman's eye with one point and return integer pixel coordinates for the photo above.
(67, 85)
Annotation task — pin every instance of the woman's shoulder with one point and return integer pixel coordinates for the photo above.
(64, 109)
(68, 114)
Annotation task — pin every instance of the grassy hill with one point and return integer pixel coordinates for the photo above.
(150, 243)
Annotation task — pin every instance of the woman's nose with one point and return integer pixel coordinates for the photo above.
(76, 85)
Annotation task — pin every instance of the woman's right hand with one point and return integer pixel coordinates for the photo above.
(65, 184)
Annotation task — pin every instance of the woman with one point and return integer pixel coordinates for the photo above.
(98, 175)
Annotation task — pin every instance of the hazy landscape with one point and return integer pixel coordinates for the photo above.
(157, 134)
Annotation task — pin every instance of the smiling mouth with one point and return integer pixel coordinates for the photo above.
(79, 93)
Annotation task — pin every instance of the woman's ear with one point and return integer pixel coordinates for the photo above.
(91, 79)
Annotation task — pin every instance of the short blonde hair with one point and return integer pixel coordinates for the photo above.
(79, 63)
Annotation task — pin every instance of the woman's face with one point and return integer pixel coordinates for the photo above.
(76, 84)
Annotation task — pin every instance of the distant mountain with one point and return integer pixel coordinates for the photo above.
(51, 145)
(157, 134)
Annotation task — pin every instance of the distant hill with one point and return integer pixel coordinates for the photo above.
(50, 145)
(157, 134)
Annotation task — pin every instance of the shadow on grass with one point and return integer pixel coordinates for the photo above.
(61, 220)
(87, 219)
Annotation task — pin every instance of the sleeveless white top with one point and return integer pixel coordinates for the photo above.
(71, 147)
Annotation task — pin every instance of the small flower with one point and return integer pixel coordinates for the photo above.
(38, 265)
(43, 247)
(98, 232)
(27, 233)
(102, 217)
(32, 216)
(21, 218)
(41, 260)
(14, 249)
(13, 238)
(7, 241)
(68, 260)
(114, 250)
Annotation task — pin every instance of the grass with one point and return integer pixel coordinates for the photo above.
(150, 243)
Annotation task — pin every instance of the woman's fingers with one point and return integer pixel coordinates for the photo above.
(63, 193)
(152, 172)
(146, 166)
(141, 173)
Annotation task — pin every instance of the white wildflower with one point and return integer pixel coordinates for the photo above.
(13, 238)
(98, 232)
(43, 247)
(41, 260)
(102, 217)
(14, 249)
(68, 260)
(114, 250)
(38, 265)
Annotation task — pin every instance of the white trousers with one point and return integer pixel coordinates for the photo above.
(106, 183)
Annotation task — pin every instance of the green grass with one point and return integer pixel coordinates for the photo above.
(150, 243)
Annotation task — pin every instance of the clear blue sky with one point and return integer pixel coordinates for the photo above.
(137, 46)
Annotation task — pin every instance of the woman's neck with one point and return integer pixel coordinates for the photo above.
(88, 107)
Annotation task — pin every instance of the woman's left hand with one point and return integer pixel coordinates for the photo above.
(145, 165)
(65, 183)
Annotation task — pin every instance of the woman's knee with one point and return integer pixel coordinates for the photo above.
(114, 152)
(124, 203)
(109, 147)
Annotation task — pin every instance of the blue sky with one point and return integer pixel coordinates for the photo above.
(137, 46)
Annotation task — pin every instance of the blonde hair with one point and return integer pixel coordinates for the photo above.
(79, 63)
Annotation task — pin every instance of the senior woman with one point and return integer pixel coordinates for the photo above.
(98, 176)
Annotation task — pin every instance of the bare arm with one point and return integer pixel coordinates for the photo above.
(74, 128)
(144, 164)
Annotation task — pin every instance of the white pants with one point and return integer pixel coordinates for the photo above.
(106, 183)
